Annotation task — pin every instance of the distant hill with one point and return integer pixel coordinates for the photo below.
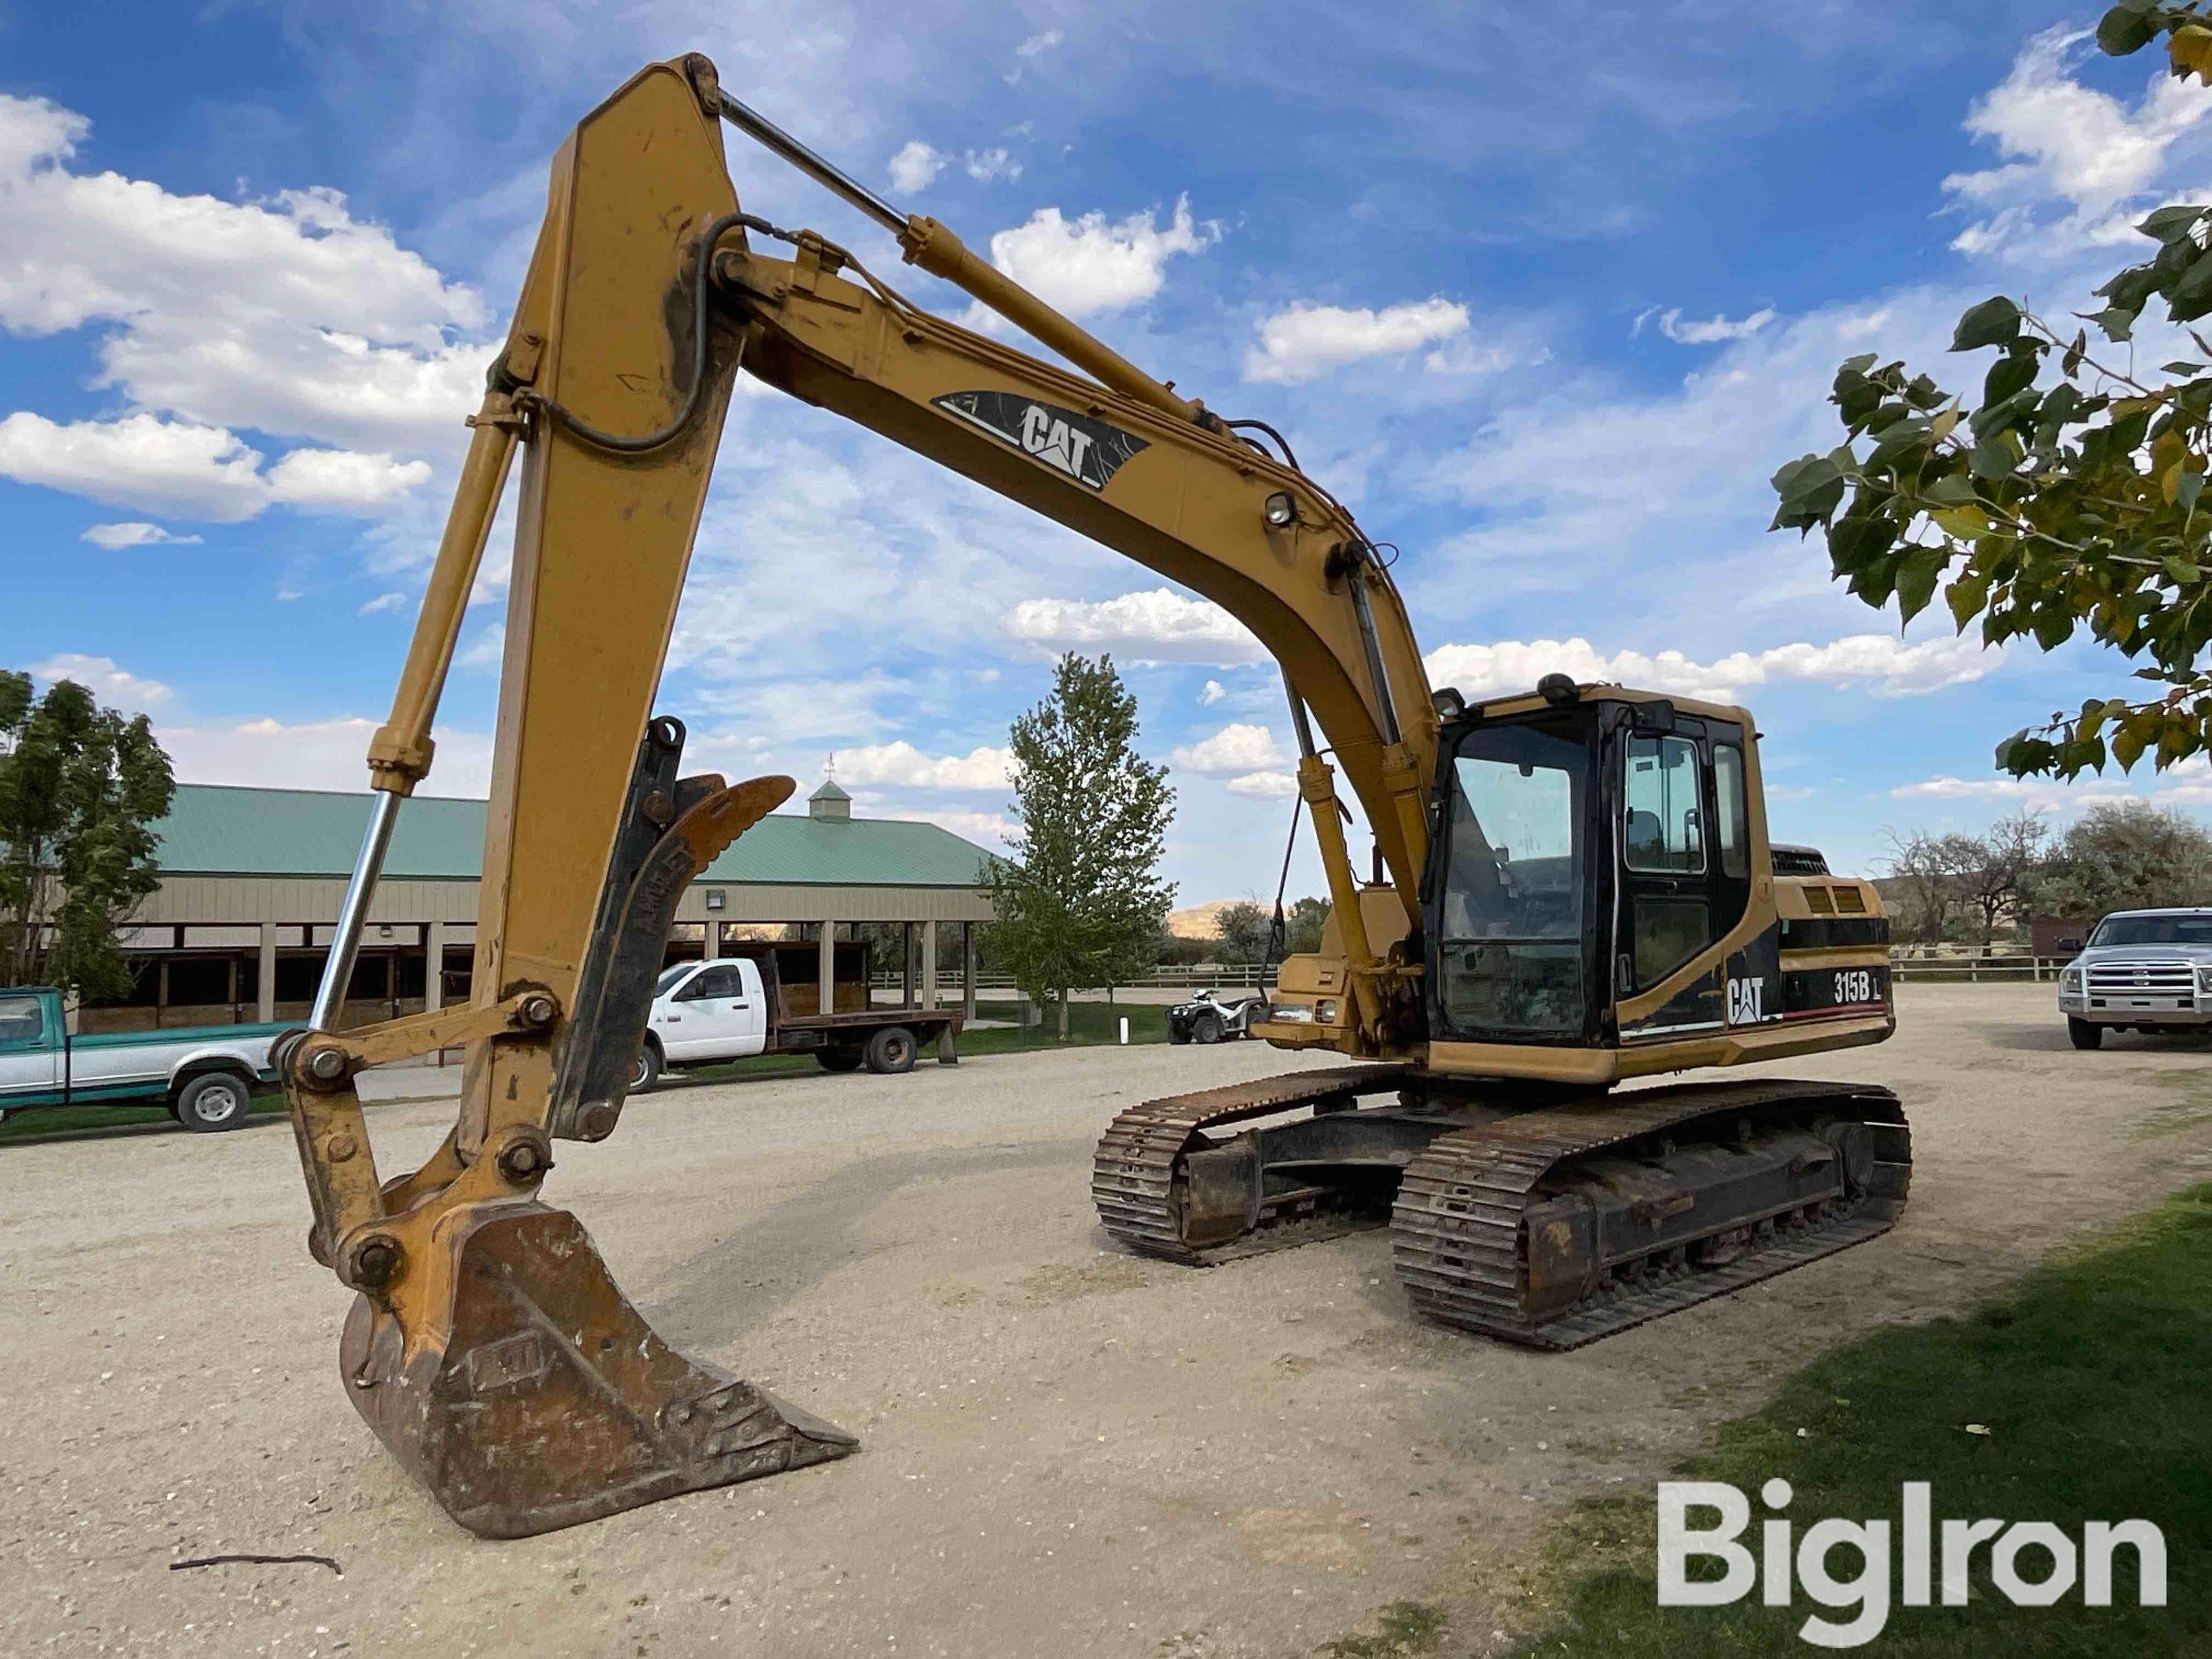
(1200, 922)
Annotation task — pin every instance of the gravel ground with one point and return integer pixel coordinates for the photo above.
(1066, 1450)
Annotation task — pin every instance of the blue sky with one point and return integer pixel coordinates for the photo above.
(1546, 303)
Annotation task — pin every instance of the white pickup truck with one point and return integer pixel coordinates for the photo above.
(738, 1005)
(205, 1073)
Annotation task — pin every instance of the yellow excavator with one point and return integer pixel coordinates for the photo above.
(1572, 888)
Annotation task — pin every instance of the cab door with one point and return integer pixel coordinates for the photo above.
(750, 1011)
(704, 1018)
(31, 1053)
(1685, 872)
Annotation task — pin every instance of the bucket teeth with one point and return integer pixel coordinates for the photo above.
(537, 1397)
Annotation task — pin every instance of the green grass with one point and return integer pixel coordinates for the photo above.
(1088, 1024)
(37, 1122)
(2091, 1377)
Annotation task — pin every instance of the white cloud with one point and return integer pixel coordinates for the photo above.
(916, 166)
(1264, 786)
(100, 675)
(985, 164)
(286, 316)
(908, 767)
(1159, 625)
(1033, 47)
(1239, 747)
(2061, 140)
(1310, 340)
(185, 471)
(1213, 693)
(315, 754)
(1088, 265)
(340, 481)
(1707, 333)
(1886, 665)
(2186, 784)
(162, 466)
(383, 602)
(114, 536)
(286, 595)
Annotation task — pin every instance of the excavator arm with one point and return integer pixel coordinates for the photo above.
(488, 1347)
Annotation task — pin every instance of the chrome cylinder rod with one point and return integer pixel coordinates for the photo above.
(345, 943)
(1299, 722)
(1385, 705)
(828, 174)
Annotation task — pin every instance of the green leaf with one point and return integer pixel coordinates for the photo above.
(2122, 30)
(1853, 541)
(2179, 571)
(2186, 492)
(1896, 440)
(1916, 579)
(1952, 491)
(1994, 322)
(2008, 375)
(2117, 322)
(1967, 596)
(1965, 523)
(2170, 224)
(1993, 457)
(1990, 418)
(2128, 748)
(2053, 627)
(2179, 368)
(2076, 352)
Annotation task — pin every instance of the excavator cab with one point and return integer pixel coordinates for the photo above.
(1590, 851)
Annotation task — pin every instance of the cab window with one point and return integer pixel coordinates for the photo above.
(714, 985)
(1665, 827)
(22, 1023)
(1735, 826)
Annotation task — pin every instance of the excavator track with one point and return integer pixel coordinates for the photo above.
(1550, 1227)
(1135, 1183)
(1469, 1206)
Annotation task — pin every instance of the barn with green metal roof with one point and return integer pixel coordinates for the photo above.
(252, 880)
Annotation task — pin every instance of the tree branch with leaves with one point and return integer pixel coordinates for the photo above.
(2063, 499)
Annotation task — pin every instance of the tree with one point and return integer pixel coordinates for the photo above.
(1933, 872)
(1080, 901)
(2057, 501)
(2011, 855)
(1243, 929)
(1302, 925)
(2125, 855)
(79, 786)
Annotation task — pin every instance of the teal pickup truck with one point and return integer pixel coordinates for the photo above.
(205, 1074)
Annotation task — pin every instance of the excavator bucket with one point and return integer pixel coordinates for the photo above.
(489, 1348)
(527, 1395)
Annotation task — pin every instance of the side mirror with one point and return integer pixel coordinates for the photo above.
(1654, 720)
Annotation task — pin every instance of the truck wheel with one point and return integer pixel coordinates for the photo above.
(212, 1101)
(1206, 1028)
(891, 1051)
(2086, 1033)
(645, 1072)
(839, 1060)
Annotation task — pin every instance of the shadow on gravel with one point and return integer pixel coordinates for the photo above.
(2052, 1040)
(721, 1292)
